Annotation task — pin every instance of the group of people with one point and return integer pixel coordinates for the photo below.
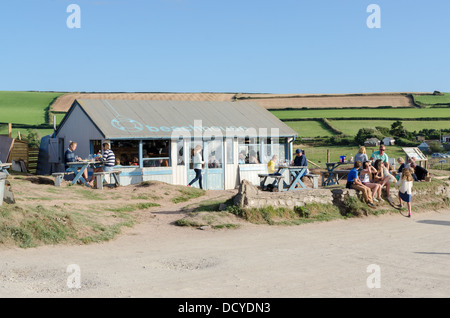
(371, 178)
(108, 160)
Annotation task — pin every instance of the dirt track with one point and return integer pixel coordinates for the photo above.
(157, 259)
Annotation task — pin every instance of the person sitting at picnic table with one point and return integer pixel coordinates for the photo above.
(361, 155)
(300, 159)
(383, 178)
(353, 182)
(69, 156)
(271, 166)
(108, 159)
(380, 154)
(420, 173)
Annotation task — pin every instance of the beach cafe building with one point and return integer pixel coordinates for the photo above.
(153, 140)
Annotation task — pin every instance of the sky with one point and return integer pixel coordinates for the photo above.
(247, 46)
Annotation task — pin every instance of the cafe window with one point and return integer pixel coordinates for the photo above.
(248, 151)
(214, 154)
(126, 152)
(156, 153)
(276, 146)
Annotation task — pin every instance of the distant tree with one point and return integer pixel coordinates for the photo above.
(32, 138)
(398, 130)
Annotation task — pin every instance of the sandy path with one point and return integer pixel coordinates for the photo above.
(156, 259)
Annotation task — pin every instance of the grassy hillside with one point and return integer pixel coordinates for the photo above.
(26, 107)
(387, 113)
(432, 100)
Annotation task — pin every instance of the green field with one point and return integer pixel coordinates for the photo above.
(430, 100)
(351, 127)
(364, 113)
(25, 107)
(310, 128)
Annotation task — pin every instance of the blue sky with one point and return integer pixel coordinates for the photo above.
(254, 46)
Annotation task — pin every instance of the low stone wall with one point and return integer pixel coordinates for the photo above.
(249, 196)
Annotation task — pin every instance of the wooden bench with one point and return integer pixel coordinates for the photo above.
(314, 178)
(100, 177)
(59, 177)
(278, 179)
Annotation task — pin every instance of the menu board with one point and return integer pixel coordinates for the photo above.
(414, 152)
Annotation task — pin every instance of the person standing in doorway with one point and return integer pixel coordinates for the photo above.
(198, 163)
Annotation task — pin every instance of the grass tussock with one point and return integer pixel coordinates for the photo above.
(187, 194)
(31, 226)
(285, 216)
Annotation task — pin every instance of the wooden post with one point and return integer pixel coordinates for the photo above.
(328, 155)
(9, 130)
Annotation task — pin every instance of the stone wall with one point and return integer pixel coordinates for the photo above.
(249, 196)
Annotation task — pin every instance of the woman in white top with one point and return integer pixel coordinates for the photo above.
(405, 189)
(365, 177)
(198, 162)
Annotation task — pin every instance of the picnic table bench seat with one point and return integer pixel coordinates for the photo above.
(100, 178)
(59, 177)
(314, 178)
(278, 179)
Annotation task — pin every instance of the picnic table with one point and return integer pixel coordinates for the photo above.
(333, 174)
(82, 165)
(296, 173)
(4, 167)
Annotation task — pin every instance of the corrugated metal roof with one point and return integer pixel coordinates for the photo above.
(136, 119)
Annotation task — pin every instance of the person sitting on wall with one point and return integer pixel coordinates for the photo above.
(353, 182)
(380, 155)
(420, 173)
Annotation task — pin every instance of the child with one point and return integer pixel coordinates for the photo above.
(405, 187)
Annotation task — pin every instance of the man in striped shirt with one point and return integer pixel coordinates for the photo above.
(109, 159)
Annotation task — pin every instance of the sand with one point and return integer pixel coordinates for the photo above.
(329, 259)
